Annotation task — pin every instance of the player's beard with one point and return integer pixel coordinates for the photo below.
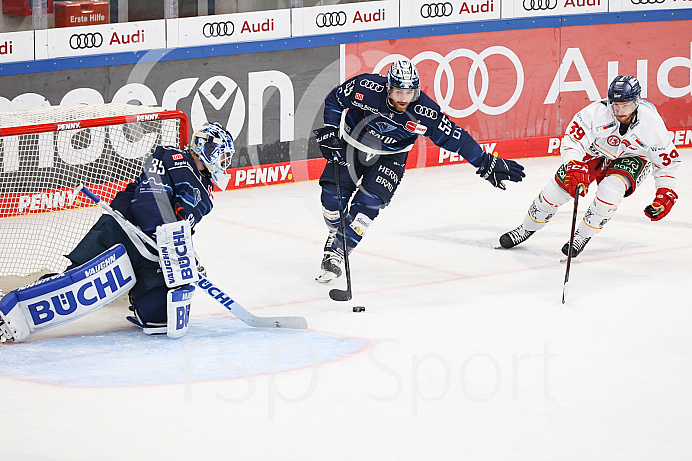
(398, 106)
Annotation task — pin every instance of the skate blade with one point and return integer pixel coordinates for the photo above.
(325, 277)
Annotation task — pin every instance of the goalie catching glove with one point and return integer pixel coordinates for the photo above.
(664, 201)
(496, 170)
(329, 141)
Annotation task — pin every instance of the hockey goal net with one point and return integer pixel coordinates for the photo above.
(45, 153)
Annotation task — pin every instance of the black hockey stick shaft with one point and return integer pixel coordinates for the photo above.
(565, 286)
(336, 294)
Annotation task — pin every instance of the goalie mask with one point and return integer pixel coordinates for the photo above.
(214, 146)
(404, 75)
(624, 89)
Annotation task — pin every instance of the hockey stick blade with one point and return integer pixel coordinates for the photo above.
(340, 295)
(219, 295)
(565, 291)
(296, 323)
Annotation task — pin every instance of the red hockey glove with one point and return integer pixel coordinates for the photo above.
(577, 173)
(664, 201)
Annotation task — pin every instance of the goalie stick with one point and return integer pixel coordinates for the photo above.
(218, 294)
(565, 286)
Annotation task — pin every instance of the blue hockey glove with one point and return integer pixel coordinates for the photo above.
(496, 170)
(329, 142)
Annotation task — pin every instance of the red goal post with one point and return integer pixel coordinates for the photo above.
(46, 152)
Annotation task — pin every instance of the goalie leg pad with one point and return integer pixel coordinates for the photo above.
(179, 310)
(176, 253)
(65, 297)
(13, 324)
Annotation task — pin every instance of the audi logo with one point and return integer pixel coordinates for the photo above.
(218, 29)
(334, 18)
(84, 41)
(646, 2)
(445, 78)
(425, 111)
(436, 10)
(370, 85)
(535, 5)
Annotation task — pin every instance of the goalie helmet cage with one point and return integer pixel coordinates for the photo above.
(45, 153)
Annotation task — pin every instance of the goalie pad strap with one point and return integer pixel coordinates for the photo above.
(68, 296)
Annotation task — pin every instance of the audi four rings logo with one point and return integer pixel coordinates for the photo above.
(535, 5)
(83, 41)
(218, 29)
(425, 111)
(334, 18)
(370, 85)
(646, 2)
(445, 78)
(436, 10)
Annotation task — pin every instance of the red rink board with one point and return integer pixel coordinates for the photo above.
(528, 100)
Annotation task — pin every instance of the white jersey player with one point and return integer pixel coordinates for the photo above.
(615, 142)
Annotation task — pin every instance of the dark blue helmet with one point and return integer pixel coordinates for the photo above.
(624, 88)
(403, 74)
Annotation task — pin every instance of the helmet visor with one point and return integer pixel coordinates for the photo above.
(623, 109)
(403, 95)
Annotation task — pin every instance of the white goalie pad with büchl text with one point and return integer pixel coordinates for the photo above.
(65, 297)
(176, 253)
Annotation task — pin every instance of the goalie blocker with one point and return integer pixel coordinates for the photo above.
(66, 297)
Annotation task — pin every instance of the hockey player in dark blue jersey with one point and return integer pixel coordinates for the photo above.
(175, 185)
(171, 195)
(371, 123)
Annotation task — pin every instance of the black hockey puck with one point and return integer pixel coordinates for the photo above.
(358, 308)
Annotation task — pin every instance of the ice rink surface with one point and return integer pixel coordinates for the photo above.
(464, 352)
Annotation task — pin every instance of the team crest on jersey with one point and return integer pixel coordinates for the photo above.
(359, 96)
(416, 128)
(383, 127)
(613, 141)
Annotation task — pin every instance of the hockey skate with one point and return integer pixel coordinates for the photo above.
(5, 330)
(515, 237)
(148, 328)
(577, 246)
(331, 261)
(5, 334)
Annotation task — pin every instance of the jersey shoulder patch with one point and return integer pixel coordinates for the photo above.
(172, 156)
(369, 83)
(425, 108)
